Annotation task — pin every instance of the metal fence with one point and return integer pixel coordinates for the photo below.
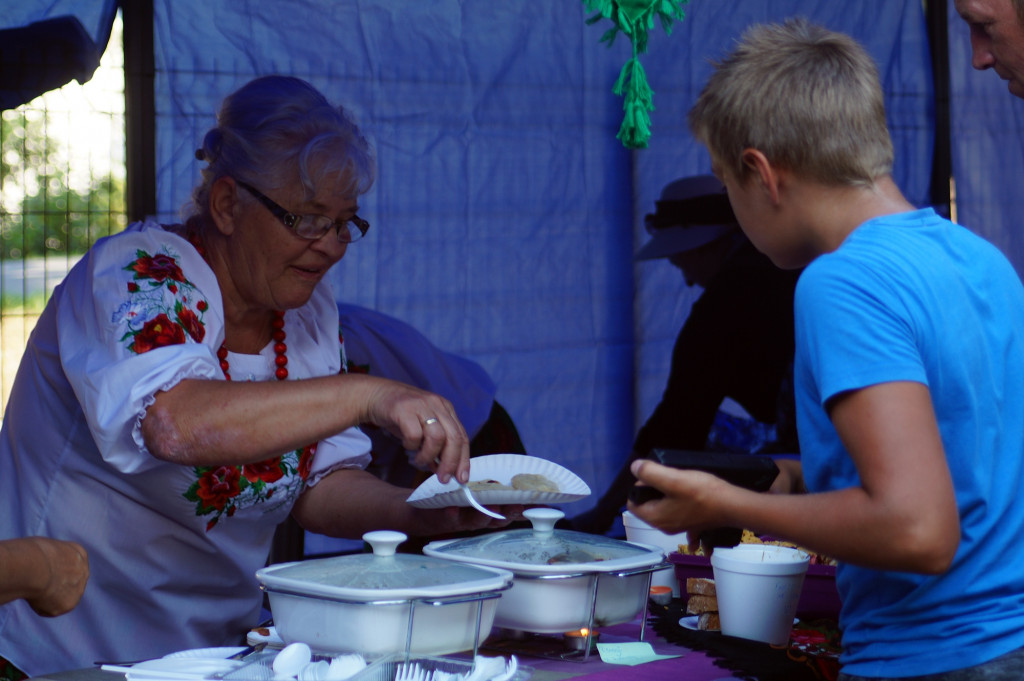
(62, 186)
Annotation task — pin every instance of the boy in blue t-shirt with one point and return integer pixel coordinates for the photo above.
(908, 374)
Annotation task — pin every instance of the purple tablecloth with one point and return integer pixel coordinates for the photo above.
(690, 665)
(712, 657)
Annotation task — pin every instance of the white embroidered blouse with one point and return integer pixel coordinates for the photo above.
(172, 549)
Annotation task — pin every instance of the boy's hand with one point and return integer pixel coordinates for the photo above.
(689, 502)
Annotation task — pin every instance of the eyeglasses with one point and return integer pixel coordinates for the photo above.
(311, 226)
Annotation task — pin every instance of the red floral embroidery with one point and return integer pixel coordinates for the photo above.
(269, 470)
(157, 267)
(224, 490)
(218, 485)
(174, 308)
(306, 461)
(168, 321)
(156, 333)
(354, 368)
(191, 323)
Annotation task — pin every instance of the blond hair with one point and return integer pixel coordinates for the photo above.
(808, 98)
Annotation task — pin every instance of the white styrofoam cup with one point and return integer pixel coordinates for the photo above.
(758, 587)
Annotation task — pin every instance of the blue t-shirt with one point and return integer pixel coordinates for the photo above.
(914, 297)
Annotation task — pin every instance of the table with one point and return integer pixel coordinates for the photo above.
(690, 665)
(693, 666)
(702, 656)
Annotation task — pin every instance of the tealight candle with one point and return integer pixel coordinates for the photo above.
(577, 640)
(662, 595)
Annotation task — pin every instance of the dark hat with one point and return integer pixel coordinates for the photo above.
(691, 212)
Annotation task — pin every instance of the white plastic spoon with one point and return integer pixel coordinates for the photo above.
(472, 500)
(476, 504)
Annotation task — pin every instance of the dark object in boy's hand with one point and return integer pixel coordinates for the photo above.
(749, 471)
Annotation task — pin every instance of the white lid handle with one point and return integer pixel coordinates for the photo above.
(384, 542)
(543, 519)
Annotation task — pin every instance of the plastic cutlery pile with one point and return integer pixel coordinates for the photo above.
(295, 662)
(484, 669)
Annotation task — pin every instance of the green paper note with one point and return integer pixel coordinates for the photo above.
(631, 654)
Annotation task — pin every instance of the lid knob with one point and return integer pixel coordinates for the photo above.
(543, 519)
(384, 542)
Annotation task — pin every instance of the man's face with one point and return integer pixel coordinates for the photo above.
(700, 265)
(997, 39)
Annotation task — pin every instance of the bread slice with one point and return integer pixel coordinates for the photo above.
(700, 586)
(708, 621)
(696, 605)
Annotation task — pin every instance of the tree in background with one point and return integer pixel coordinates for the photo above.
(41, 213)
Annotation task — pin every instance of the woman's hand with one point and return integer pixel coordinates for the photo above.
(426, 424)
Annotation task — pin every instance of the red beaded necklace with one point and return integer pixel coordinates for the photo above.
(280, 350)
(280, 360)
(277, 324)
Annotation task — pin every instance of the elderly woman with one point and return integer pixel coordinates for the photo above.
(181, 395)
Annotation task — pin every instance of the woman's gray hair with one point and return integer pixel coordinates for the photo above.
(277, 130)
(808, 98)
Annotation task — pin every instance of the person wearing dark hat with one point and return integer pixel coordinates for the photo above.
(737, 342)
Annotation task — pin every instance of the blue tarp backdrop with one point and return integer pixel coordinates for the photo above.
(506, 213)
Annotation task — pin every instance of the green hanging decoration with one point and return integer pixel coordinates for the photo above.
(635, 18)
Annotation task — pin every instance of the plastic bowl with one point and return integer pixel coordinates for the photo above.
(642, 533)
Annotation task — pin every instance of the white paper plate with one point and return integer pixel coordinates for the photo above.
(690, 622)
(501, 467)
(207, 653)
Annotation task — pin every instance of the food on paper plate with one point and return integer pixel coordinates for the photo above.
(485, 485)
(534, 482)
(523, 482)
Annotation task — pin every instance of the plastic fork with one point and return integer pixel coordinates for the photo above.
(413, 672)
(442, 675)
